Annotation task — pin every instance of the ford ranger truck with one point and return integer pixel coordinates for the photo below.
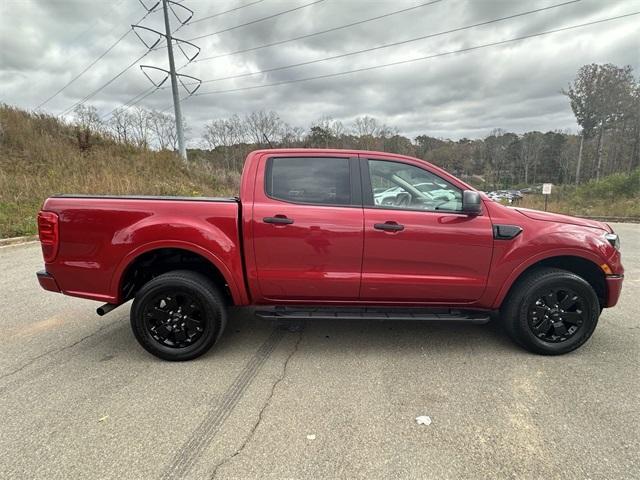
(336, 234)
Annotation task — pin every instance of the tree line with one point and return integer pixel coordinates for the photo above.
(137, 126)
(604, 98)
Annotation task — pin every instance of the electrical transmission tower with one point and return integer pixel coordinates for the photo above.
(188, 49)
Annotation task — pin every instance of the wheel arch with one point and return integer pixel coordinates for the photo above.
(161, 257)
(585, 266)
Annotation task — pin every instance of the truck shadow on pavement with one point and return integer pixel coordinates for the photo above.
(329, 337)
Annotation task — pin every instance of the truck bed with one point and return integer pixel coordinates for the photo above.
(100, 236)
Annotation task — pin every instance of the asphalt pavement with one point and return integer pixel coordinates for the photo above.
(80, 399)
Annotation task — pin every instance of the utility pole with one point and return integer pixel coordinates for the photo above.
(190, 54)
(174, 83)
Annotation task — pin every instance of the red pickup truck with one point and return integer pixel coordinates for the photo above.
(319, 234)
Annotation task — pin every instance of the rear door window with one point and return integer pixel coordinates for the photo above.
(316, 180)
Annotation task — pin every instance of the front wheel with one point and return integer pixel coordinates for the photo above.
(178, 315)
(551, 311)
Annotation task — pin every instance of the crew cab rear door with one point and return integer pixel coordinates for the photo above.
(418, 245)
(308, 227)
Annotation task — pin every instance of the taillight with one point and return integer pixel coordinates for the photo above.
(48, 232)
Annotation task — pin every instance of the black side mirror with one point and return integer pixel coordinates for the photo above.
(471, 203)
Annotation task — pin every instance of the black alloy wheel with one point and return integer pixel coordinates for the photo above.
(175, 319)
(557, 315)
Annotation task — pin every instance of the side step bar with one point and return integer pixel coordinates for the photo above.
(328, 313)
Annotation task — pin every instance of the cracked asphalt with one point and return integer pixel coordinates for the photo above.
(80, 399)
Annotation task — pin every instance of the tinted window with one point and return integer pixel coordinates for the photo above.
(309, 180)
(398, 185)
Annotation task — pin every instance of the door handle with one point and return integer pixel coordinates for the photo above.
(389, 226)
(278, 220)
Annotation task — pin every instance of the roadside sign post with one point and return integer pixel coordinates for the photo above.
(546, 191)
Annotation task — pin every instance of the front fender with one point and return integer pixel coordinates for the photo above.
(520, 269)
(541, 240)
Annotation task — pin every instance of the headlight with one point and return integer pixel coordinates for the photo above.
(613, 239)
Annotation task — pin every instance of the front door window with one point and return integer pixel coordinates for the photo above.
(403, 186)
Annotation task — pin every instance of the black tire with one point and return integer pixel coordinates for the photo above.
(537, 322)
(164, 329)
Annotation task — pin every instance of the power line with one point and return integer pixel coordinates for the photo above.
(208, 35)
(133, 101)
(226, 11)
(100, 57)
(388, 45)
(403, 62)
(322, 32)
(252, 22)
(105, 85)
(138, 98)
(315, 33)
(258, 20)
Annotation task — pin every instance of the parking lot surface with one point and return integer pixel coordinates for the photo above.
(80, 399)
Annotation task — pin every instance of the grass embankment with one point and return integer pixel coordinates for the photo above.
(40, 156)
(614, 196)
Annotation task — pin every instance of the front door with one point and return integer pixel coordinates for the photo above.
(308, 228)
(418, 245)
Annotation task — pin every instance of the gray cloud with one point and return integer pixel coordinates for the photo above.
(516, 86)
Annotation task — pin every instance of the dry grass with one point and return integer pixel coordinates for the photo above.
(617, 195)
(39, 157)
(624, 207)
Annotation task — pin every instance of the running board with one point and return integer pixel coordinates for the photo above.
(328, 313)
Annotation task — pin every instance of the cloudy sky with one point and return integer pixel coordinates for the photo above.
(515, 86)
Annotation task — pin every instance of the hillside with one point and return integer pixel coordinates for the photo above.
(41, 156)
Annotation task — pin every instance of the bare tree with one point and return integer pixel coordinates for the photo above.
(226, 134)
(262, 126)
(495, 155)
(367, 129)
(326, 132)
(87, 124)
(291, 136)
(530, 147)
(222, 133)
(163, 128)
(140, 127)
(120, 125)
(86, 118)
(365, 126)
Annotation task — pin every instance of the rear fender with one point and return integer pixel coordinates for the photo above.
(238, 294)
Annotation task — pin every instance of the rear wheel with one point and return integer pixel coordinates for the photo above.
(178, 315)
(551, 311)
